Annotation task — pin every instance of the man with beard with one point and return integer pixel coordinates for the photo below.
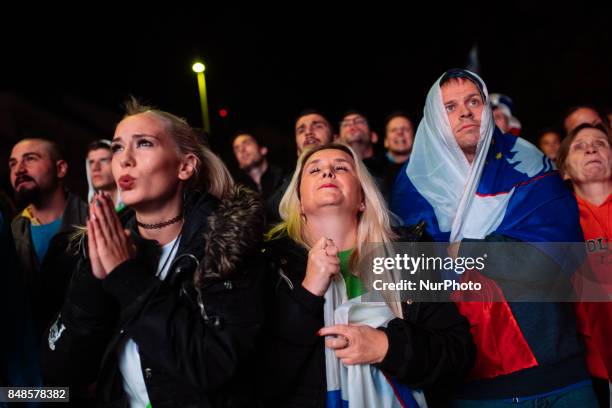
(256, 172)
(43, 229)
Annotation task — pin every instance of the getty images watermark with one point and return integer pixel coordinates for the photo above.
(404, 263)
(487, 271)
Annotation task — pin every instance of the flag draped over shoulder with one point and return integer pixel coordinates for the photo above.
(363, 385)
(509, 189)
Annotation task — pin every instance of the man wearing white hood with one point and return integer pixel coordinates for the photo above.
(99, 174)
(474, 185)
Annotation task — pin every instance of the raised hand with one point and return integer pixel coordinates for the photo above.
(109, 243)
(323, 265)
(96, 266)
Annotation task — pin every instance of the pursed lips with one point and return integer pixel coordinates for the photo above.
(126, 182)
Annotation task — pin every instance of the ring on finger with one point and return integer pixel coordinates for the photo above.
(347, 342)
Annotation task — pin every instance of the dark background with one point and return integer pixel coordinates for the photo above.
(64, 74)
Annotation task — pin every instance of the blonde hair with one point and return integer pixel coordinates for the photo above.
(373, 225)
(211, 173)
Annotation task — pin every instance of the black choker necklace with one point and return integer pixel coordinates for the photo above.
(161, 224)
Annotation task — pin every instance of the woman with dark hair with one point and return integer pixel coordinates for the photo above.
(164, 308)
(328, 345)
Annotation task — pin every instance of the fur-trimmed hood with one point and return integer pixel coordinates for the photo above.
(221, 235)
(233, 234)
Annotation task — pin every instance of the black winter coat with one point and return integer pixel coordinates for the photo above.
(196, 330)
(430, 348)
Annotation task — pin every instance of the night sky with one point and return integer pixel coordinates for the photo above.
(264, 64)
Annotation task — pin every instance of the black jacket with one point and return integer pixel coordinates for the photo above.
(46, 282)
(19, 366)
(430, 348)
(271, 180)
(196, 330)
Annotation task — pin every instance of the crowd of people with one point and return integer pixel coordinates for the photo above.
(179, 284)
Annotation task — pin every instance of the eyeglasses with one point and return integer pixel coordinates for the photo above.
(353, 122)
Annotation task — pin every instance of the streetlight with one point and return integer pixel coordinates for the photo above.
(199, 68)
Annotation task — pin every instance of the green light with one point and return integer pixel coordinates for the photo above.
(198, 67)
